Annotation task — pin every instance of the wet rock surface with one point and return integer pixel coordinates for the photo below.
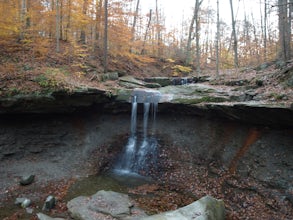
(206, 208)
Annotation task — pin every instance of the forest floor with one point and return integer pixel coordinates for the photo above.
(30, 68)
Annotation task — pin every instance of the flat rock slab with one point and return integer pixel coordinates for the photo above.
(103, 205)
(110, 203)
(79, 209)
(206, 208)
(42, 216)
(113, 205)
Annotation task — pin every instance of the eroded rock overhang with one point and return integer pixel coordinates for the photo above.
(195, 99)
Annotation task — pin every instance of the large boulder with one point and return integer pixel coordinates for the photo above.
(206, 208)
(102, 205)
(113, 205)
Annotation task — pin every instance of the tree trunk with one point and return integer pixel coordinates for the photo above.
(68, 25)
(195, 19)
(23, 11)
(284, 38)
(189, 39)
(134, 24)
(61, 19)
(265, 30)
(99, 11)
(134, 20)
(106, 36)
(290, 27)
(217, 41)
(235, 43)
(158, 31)
(197, 36)
(57, 27)
(146, 32)
(82, 33)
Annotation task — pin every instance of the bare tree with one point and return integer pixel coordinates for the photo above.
(290, 24)
(146, 32)
(57, 26)
(68, 25)
(106, 36)
(98, 26)
(195, 19)
(284, 38)
(265, 29)
(188, 48)
(82, 32)
(23, 11)
(158, 30)
(217, 40)
(197, 30)
(235, 42)
(134, 23)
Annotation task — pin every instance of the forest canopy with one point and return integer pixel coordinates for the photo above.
(124, 29)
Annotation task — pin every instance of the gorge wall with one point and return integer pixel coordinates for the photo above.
(56, 146)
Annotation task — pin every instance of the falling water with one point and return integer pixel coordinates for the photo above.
(184, 81)
(139, 155)
(133, 116)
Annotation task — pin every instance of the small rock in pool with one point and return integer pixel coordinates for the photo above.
(26, 203)
(18, 201)
(23, 202)
(49, 203)
(26, 180)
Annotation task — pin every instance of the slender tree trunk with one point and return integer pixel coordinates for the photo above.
(256, 40)
(158, 31)
(284, 53)
(68, 25)
(189, 39)
(235, 42)
(217, 41)
(82, 33)
(99, 12)
(61, 19)
(265, 30)
(146, 32)
(28, 19)
(197, 36)
(195, 19)
(23, 10)
(106, 36)
(57, 27)
(135, 19)
(290, 27)
(134, 23)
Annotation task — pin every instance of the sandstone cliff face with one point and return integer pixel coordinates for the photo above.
(192, 99)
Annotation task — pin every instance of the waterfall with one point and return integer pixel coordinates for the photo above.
(139, 155)
(133, 116)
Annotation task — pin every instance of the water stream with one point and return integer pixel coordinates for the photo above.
(140, 152)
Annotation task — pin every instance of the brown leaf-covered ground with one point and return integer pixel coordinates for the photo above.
(179, 179)
(35, 67)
